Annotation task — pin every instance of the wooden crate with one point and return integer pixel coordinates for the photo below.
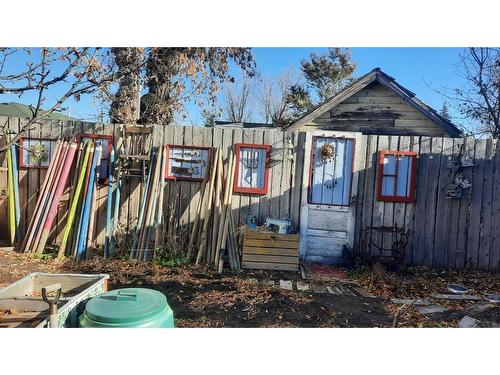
(270, 251)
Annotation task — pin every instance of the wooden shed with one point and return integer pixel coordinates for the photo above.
(337, 158)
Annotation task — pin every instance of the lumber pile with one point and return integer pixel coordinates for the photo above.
(149, 225)
(215, 207)
(83, 158)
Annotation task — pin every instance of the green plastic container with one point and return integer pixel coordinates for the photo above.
(128, 308)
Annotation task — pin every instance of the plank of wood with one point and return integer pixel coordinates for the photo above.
(254, 210)
(431, 201)
(494, 265)
(400, 209)
(271, 243)
(250, 234)
(270, 266)
(486, 207)
(442, 230)
(422, 183)
(276, 175)
(388, 221)
(270, 258)
(281, 251)
(298, 139)
(465, 202)
(454, 216)
(378, 206)
(472, 257)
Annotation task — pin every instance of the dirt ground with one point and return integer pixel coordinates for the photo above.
(201, 298)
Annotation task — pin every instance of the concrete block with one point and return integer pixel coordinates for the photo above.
(286, 284)
(432, 309)
(468, 322)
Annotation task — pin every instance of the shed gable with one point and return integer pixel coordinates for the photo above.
(376, 110)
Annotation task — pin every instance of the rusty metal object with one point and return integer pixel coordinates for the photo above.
(395, 254)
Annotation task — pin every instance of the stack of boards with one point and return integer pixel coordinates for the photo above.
(150, 222)
(215, 207)
(83, 158)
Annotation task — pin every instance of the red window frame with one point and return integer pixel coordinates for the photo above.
(396, 198)
(22, 150)
(247, 190)
(311, 157)
(167, 163)
(94, 136)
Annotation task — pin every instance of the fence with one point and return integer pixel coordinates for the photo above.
(181, 197)
(455, 233)
(452, 233)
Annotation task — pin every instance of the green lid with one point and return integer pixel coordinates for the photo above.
(126, 307)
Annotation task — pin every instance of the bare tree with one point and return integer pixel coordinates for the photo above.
(237, 102)
(78, 70)
(479, 100)
(273, 99)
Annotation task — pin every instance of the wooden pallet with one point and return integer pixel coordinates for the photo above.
(270, 251)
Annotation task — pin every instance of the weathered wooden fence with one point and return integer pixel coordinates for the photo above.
(181, 197)
(456, 233)
(453, 233)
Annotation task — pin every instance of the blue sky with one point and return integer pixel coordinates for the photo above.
(421, 70)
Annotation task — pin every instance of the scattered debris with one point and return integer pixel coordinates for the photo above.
(493, 298)
(363, 293)
(457, 289)
(478, 308)
(461, 297)
(319, 288)
(314, 271)
(468, 322)
(286, 284)
(407, 301)
(302, 287)
(432, 309)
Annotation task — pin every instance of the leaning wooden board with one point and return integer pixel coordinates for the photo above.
(270, 251)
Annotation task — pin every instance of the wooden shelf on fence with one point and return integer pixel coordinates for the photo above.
(270, 251)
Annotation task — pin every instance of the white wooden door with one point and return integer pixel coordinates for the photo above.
(332, 162)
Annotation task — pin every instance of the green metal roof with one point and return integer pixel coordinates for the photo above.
(24, 111)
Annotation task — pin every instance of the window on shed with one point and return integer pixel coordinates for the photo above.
(252, 168)
(331, 171)
(35, 152)
(188, 163)
(396, 178)
(106, 142)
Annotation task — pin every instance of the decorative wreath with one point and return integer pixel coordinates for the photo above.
(38, 153)
(327, 152)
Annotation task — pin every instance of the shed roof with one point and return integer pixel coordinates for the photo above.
(388, 82)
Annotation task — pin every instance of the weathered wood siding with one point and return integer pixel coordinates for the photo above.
(376, 110)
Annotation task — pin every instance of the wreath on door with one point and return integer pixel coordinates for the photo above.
(327, 152)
